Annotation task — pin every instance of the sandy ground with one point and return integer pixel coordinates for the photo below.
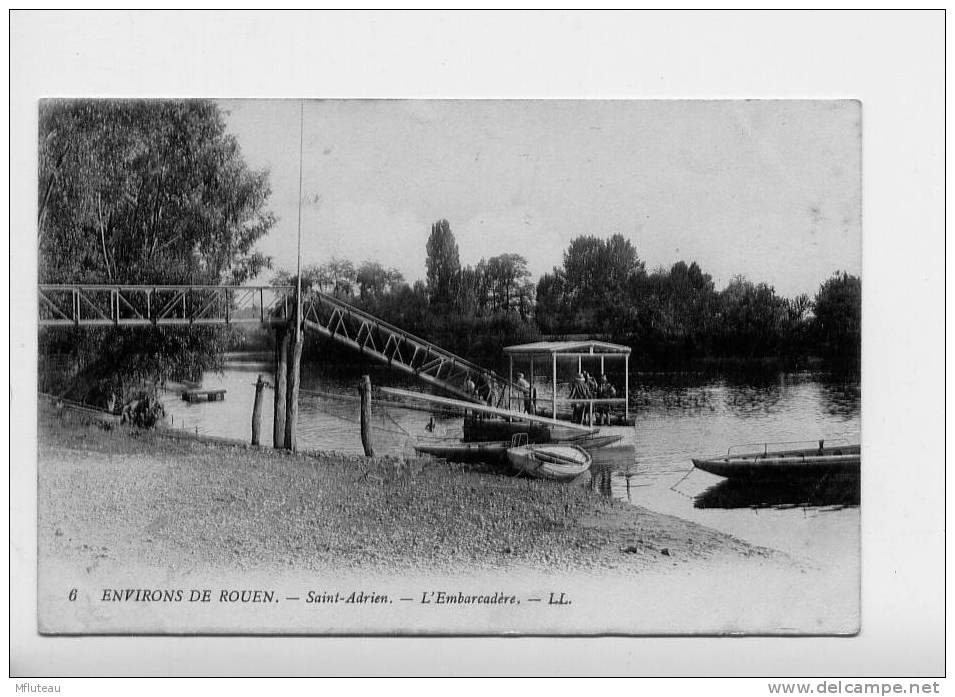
(126, 495)
(120, 508)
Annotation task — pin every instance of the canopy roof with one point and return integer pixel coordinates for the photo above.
(574, 347)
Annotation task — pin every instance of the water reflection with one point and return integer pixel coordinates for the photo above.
(824, 491)
(840, 398)
(600, 481)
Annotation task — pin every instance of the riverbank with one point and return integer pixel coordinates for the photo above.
(117, 496)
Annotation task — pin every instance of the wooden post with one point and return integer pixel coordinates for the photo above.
(257, 410)
(291, 409)
(626, 388)
(364, 391)
(281, 375)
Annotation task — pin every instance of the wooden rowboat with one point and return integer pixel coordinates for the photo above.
(550, 461)
(842, 460)
(496, 451)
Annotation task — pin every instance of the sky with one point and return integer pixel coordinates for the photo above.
(767, 189)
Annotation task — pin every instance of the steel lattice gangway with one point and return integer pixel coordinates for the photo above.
(178, 305)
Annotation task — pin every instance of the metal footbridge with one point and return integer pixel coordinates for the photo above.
(185, 305)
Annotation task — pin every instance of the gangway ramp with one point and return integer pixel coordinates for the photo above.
(337, 320)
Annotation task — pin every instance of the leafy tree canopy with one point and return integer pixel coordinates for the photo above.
(146, 191)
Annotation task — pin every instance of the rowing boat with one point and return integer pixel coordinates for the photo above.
(550, 461)
(843, 460)
(496, 451)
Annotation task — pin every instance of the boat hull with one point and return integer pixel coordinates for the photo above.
(496, 451)
(555, 462)
(838, 461)
(494, 429)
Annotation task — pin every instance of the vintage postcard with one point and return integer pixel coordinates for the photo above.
(456, 367)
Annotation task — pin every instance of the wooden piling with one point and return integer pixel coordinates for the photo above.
(282, 338)
(364, 391)
(291, 409)
(257, 410)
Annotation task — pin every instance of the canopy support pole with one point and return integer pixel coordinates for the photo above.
(510, 380)
(554, 376)
(531, 400)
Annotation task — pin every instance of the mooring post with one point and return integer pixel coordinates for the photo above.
(291, 410)
(257, 410)
(281, 375)
(364, 390)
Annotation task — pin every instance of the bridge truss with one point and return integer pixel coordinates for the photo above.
(178, 305)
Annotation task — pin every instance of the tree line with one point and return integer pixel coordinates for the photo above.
(670, 317)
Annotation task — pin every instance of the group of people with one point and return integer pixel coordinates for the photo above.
(484, 389)
(586, 387)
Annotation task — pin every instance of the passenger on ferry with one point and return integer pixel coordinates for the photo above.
(605, 390)
(579, 391)
(525, 388)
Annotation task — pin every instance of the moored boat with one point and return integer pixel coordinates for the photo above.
(550, 461)
(496, 451)
(842, 460)
(495, 429)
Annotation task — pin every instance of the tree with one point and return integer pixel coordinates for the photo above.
(144, 191)
(443, 264)
(374, 280)
(597, 275)
(552, 306)
(469, 297)
(508, 283)
(751, 317)
(838, 323)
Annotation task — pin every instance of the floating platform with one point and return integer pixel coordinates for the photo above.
(195, 396)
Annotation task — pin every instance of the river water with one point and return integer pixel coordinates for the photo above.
(678, 417)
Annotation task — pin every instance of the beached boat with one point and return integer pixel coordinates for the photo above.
(496, 451)
(841, 460)
(550, 461)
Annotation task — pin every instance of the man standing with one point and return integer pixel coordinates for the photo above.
(525, 388)
(579, 391)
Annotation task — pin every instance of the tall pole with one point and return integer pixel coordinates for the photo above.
(298, 258)
(291, 419)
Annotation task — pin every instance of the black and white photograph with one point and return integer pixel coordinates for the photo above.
(309, 344)
(318, 364)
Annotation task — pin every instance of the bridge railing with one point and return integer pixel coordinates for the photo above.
(132, 305)
(162, 305)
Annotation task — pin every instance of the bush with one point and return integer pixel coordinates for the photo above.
(145, 411)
